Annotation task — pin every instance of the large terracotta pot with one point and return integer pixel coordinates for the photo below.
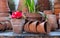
(4, 6)
(52, 21)
(33, 16)
(17, 25)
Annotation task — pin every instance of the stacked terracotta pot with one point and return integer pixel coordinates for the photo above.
(57, 7)
(4, 15)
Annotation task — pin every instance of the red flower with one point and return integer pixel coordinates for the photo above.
(17, 14)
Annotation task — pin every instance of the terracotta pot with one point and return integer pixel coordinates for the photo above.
(48, 12)
(56, 11)
(42, 28)
(8, 25)
(4, 14)
(33, 27)
(52, 21)
(57, 6)
(17, 23)
(26, 26)
(33, 16)
(4, 6)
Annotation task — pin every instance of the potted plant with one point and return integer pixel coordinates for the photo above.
(30, 13)
(17, 22)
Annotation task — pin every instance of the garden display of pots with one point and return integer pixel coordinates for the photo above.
(17, 25)
(4, 8)
(52, 21)
(43, 5)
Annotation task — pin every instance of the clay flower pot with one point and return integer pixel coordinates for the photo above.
(26, 26)
(42, 28)
(33, 27)
(4, 8)
(52, 21)
(57, 11)
(17, 25)
(57, 6)
(33, 16)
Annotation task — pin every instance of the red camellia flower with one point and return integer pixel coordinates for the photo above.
(17, 14)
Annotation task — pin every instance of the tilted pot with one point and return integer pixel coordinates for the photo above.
(26, 26)
(33, 26)
(42, 27)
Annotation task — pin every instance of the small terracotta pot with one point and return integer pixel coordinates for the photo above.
(52, 21)
(33, 16)
(48, 12)
(26, 26)
(57, 6)
(33, 27)
(42, 28)
(8, 25)
(56, 11)
(17, 25)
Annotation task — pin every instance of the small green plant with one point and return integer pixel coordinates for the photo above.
(30, 4)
